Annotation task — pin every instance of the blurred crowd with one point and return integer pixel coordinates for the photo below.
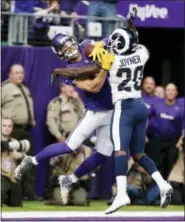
(164, 142)
(39, 23)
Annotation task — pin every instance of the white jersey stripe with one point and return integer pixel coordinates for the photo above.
(116, 126)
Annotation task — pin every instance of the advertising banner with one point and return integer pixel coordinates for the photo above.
(169, 14)
(159, 13)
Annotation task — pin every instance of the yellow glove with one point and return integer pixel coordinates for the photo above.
(98, 51)
(107, 61)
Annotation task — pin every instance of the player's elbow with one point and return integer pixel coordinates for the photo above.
(95, 88)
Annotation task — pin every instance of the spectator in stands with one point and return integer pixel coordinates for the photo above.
(11, 152)
(103, 9)
(20, 6)
(148, 88)
(46, 7)
(68, 8)
(176, 178)
(64, 112)
(39, 29)
(66, 164)
(168, 131)
(17, 104)
(159, 92)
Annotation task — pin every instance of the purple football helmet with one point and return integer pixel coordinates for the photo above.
(65, 47)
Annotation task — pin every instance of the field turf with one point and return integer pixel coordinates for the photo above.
(95, 205)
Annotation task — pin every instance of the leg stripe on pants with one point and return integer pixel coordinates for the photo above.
(78, 123)
(116, 126)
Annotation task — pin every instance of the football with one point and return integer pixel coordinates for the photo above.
(88, 49)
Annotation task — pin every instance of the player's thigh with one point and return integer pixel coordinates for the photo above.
(137, 144)
(103, 143)
(121, 129)
(82, 130)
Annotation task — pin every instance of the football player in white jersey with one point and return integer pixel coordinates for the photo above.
(125, 61)
(129, 120)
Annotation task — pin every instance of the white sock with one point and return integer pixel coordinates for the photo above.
(74, 178)
(158, 179)
(34, 161)
(121, 185)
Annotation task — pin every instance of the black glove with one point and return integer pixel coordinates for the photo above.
(132, 15)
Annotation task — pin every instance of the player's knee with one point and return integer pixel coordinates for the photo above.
(120, 153)
(137, 156)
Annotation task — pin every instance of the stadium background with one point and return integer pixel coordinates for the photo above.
(165, 41)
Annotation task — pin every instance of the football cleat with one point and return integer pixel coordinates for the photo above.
(118, 202)
(23, 167)
(166, 192)
(65, 182)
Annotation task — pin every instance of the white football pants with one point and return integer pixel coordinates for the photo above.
(90, 122)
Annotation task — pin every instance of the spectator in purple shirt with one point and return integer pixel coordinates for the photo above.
(148, 97)
(39, 29)
(46, 7)
(22, 6)
(148, 90)
(68, 8)
(159, 92)
(168, 130)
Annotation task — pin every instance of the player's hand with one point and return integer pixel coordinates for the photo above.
(98, 52)
(131, 17)
(107, 61)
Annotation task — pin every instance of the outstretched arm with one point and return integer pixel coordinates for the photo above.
(96, 84)
(93, 85)
(131, 19)
(76, 72)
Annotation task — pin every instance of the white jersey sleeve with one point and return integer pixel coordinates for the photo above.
(126, 74)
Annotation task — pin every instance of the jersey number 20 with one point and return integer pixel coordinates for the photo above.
(137, 78)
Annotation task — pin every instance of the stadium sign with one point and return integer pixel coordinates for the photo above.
(169, 14)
